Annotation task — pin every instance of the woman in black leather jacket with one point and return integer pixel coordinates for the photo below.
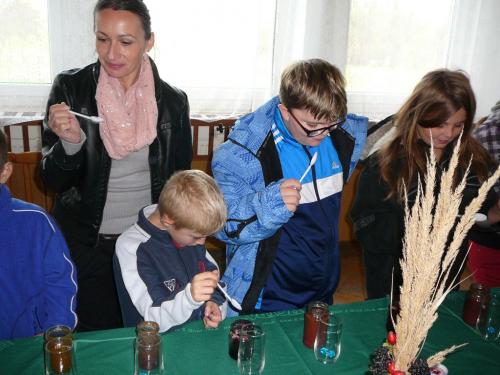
(105, 173)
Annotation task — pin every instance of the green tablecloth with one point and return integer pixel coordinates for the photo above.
(194, 350)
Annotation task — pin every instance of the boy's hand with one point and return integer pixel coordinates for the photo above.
(212, 316)
(290, 192)
(203, 285)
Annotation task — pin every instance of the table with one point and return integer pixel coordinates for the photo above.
(194, 350)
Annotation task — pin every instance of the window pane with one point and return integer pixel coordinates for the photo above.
(219, 52)
(393, 43)
(24, 41)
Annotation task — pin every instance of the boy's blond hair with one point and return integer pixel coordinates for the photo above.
(314, 85)
(193, 201)
(3, 149)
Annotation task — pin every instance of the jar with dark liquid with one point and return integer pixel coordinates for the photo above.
(148, 349)
(477, 297)
(59, 356)
(314, 311)
(234, 336)
(148, 355)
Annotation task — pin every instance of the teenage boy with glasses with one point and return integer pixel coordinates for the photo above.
(281, 235)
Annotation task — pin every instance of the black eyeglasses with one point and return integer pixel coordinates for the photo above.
(316, 132)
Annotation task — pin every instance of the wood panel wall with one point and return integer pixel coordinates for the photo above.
(25, 183)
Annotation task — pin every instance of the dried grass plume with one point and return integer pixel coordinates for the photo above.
(425, 263)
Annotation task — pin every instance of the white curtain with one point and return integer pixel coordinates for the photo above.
(310, 29)
(383, 49)
(474, 47)
(219, 52)
(228, 55)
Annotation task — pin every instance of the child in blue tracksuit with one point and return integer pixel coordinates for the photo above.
(37, 276)
(282, 235)
(170, 277)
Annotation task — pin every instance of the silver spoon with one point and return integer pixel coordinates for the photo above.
(231, 300)
(311, 163)
(95, 119)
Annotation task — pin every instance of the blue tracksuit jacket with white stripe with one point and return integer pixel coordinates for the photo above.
(37, 276)
(277, 259)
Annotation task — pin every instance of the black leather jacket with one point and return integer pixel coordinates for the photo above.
(81, 180)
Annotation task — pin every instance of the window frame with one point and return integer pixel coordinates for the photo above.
(77, 16)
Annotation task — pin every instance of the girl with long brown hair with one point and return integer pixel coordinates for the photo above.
(441, 107)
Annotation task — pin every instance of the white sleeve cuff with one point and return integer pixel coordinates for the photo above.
(190, 299)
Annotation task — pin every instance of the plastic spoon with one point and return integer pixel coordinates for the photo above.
(231, 300)
(95, 119)
(311, 163)
(481, 220)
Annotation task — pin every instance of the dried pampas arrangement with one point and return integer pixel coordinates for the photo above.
(427, 259)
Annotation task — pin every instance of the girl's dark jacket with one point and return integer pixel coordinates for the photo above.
(81, 180)
(379, 222)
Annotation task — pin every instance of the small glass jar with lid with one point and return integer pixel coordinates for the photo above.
(234, 336)
(147, 327)
(314, 312)
(476, 298)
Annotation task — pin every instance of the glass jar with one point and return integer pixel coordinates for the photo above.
(59, 358)
(314, 311)
(477, 297)
(488, 323)
(234, 336)
(148, 355)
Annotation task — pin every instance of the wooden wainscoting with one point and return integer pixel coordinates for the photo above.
(24, 144)
(25, 183)
(207, 135)
(24, 136)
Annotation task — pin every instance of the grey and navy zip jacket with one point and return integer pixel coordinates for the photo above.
(276, 259)
(157, 275)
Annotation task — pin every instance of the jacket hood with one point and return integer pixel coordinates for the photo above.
(252, 129)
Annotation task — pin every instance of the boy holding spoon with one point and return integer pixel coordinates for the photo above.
(170, 277)
(282, 234)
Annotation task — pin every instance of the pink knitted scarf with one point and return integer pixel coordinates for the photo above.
(130, 116)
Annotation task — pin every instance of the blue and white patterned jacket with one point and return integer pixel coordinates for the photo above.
(248, 171)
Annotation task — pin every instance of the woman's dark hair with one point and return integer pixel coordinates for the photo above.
(135, 6)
